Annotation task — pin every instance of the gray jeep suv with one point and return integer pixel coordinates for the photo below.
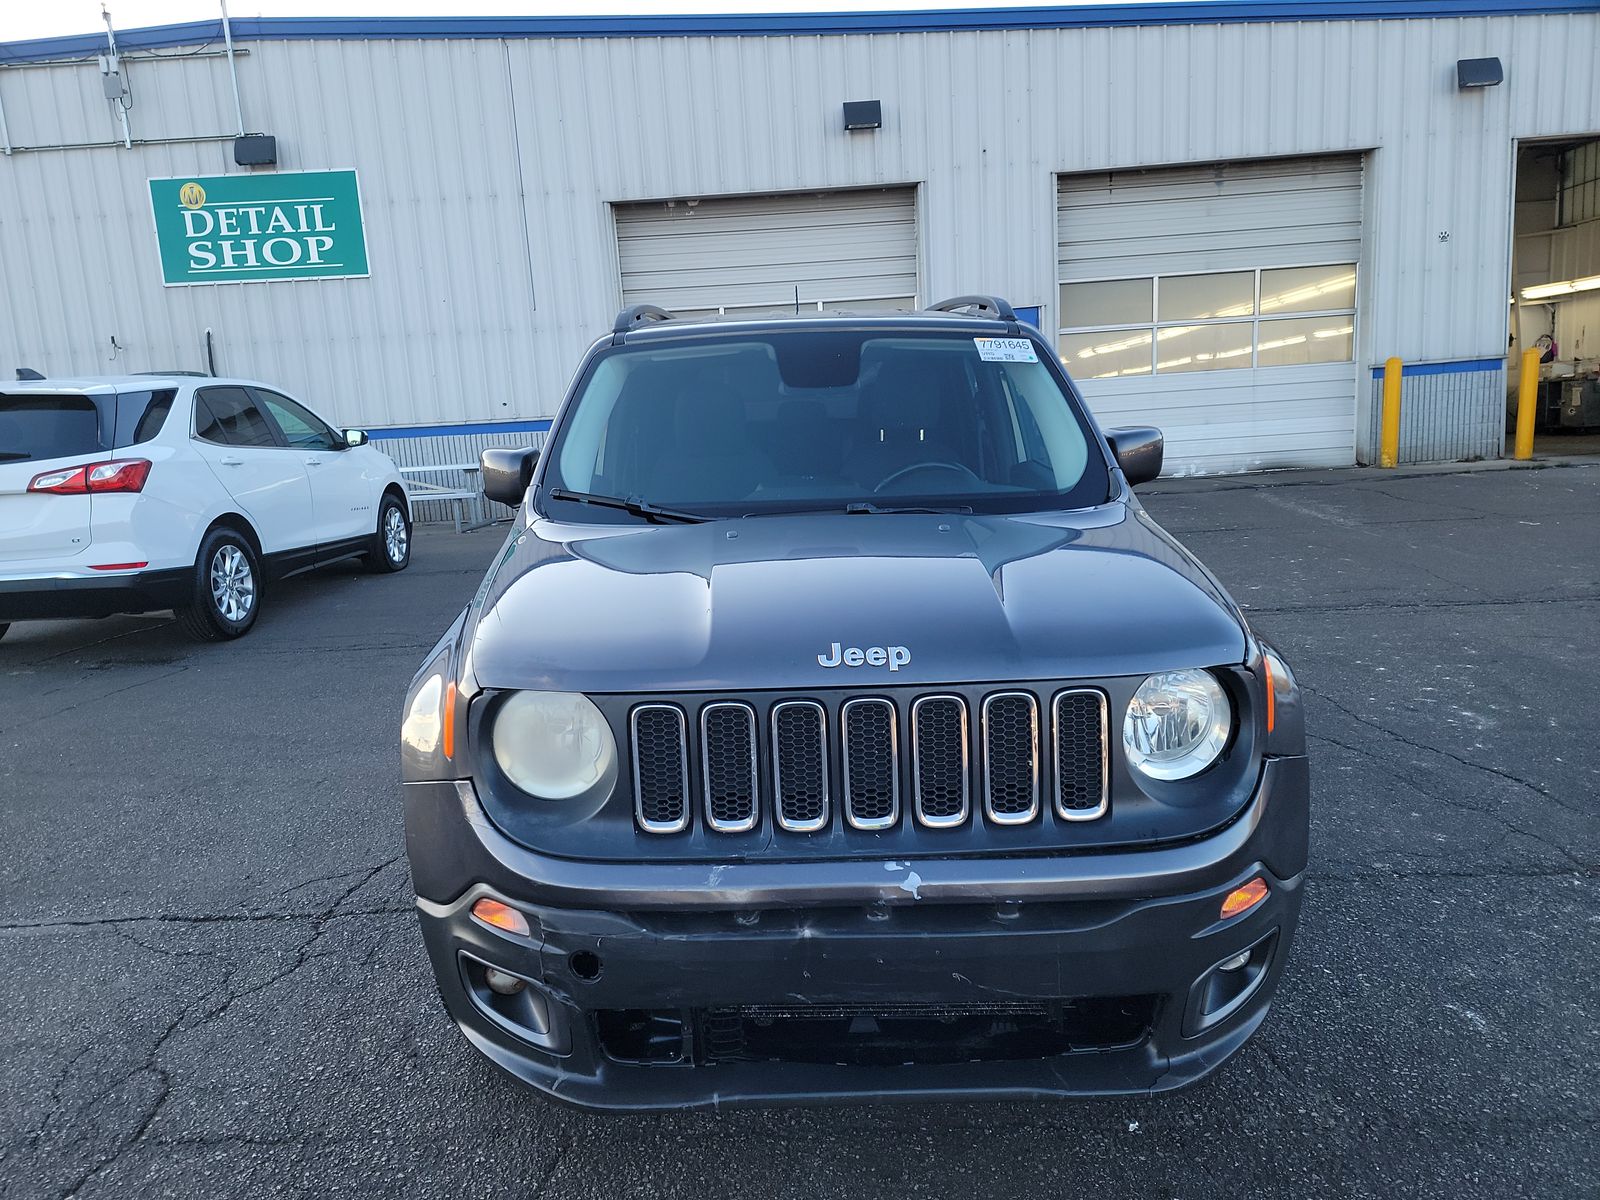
(835, 725)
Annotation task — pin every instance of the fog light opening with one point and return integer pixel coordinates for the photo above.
(1243, 898)
(503, 983)
(585, 965)
(1234, 963)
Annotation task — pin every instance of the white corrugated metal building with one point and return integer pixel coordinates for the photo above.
(1231, 213)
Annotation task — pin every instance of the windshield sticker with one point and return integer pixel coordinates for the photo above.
(1006, 350)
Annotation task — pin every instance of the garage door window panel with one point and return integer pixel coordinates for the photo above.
(1308, 289)
(1219, 347)
(1301, 341)
(1207, 297)
(1213, 321)
(1107, 302)
(1107, 354)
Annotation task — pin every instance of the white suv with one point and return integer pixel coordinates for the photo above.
(135, 493)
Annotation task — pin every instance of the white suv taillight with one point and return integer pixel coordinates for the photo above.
(118, 475)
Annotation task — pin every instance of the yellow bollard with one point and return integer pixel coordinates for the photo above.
(1527, 403)
(1389, 442)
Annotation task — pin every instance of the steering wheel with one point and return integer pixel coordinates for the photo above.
(967, 474)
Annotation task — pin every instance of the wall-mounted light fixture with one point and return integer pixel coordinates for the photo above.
(1563, 287)
(863, 114)
(255, 150)
(1478, 73)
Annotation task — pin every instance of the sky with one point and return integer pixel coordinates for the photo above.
(21, 19)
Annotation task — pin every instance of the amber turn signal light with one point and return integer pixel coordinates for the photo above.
(1272, 697)
(501, 916)
(449, 738)
(1241, 900)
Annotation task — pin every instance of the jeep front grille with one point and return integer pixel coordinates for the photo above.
(1081, 769)
(800, 765)
(1011, 757)
(774, 763)
(728, 751)
(660, 769)
(871, 764)
(939, 760)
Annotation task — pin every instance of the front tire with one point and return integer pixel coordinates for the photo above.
(391, 542)
(227, 588)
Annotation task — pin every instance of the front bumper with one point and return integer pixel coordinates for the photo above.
(662, 985)
(60, 597)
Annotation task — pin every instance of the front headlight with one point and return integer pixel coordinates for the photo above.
(1177, 724)
(554, 745)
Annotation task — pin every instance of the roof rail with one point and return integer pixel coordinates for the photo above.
(985, 304)
(170, 374)
(632, 318)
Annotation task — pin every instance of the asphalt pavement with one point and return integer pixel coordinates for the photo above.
(213, 985)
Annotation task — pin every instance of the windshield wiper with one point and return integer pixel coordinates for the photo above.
(867, 508)
(632, 504)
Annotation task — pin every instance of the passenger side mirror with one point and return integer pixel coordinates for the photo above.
(1138, 452)
(507, 473)
(355, 437)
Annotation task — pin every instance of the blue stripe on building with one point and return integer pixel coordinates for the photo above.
(541, 425)
(1461, 367)
(1179, 12)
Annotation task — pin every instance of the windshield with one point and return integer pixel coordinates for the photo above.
(800, 420)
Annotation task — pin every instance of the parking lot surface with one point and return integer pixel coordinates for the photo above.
(213, 984)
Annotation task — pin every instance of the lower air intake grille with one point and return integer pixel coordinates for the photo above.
(871, 772)
(1080, 734)
(660, 769)
(939, 734)
(800, 765)
(1011, 757)
(729, 731)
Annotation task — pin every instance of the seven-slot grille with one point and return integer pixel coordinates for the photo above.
(730, 755)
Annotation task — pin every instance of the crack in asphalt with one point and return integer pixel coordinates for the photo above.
(302, 956)
(1456, 801)
(1536, 789)
(97, 698)
(196, 918)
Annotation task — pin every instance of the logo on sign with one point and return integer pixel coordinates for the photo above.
(192, 195)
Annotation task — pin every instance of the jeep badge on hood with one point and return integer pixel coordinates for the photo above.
(873, 656)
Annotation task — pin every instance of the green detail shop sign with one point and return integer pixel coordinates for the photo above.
(259, 228)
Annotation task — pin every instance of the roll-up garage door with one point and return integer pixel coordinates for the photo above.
(1218, 303)
(854, 249)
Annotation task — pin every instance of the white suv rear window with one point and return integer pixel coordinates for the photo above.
(48, 426)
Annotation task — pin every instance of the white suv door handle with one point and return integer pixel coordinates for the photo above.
(231, 462)
(313, 462)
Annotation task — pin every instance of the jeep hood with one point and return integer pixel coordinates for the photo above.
(748, 604)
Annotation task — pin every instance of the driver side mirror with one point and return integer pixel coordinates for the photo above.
(355, 437)
(1138, 452)
(507, 473)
